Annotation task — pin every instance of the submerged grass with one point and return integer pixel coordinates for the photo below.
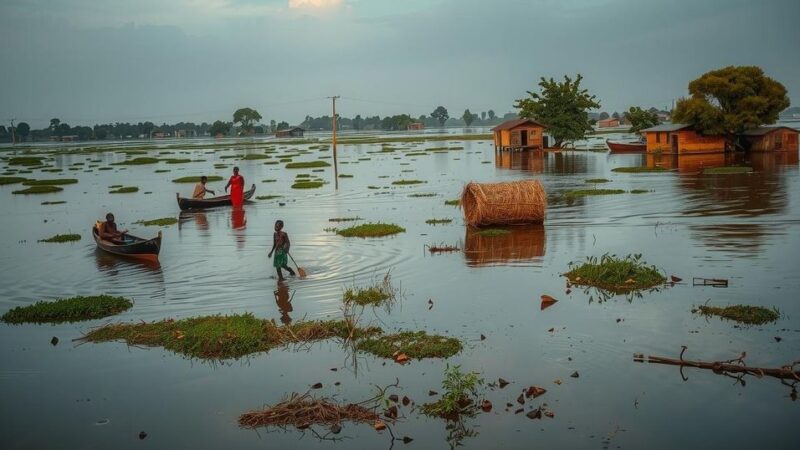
(307, 185)
(57, 202)
(38, 190)
(62, 238)
(598, 180)
(162, 222)
(752, 315)
(614, 274)
(11, 180)
(137, 161)
(307, 164)
(492, 232)
(455, 202)
(381, 292)
(727, 170)
(438, 221)
(124, 190)
(54, 182)
(414, 344)
(344, 219)
(371, 230)
(407, 182)
(589, 192)
(267, 197)
(638, 169)
(68, 310)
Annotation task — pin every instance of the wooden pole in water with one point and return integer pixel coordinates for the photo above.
(335, 163)
(13, 132)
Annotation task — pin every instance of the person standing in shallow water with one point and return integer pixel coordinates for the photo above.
(280, 246)
(236, 183)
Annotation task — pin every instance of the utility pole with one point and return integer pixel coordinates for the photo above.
(13, 131)
(335, 164)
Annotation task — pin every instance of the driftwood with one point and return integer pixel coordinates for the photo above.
(736, 365)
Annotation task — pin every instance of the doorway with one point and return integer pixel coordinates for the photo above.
(523, 138)
(674, 138)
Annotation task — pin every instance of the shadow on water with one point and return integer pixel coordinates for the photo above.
(523, 244)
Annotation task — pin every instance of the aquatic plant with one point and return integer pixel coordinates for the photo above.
(255, 156)
(639, 191)
(62, 238)
(302, 411)
(26, 161)
(414, 344)
(11, 180)
(589, 192)
(196, 179)
(124, 190)
(729, 170)
(614, 274)
(442, 248)
(39, 190)
(55, 182)
(344, 219)
(438, 221)
(422, 195)
(162, 222)
(267, 197)
(68, 310)
(598, 180)
(57, 202)
(137, 161)
(752, 315)
(639, 169)
(460, 396)
(454, 202)
(307, 164)
(407, 182)
(342, 175)
(307, 185)
(371, 230)
(380, 292)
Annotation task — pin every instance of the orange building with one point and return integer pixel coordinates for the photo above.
(681, 139)
(519, 134)
(770, 139)
(608, 123)
(416, 126)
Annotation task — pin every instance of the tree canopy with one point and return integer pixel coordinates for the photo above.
(468, 117)
(219, 127)
(23, 130)
(441, 115)
(562, 106)
(731, 100)
(246, 117)
(640, 119)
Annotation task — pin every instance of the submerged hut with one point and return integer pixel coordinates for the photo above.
(770, 139)
(680, 139)
(511, 203)
(519, 134)
(290, 132)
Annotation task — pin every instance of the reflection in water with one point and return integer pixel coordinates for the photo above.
(539, 161)
(199, 217)
(284, 302)
(692, 163)
(736, 240)
(238, 223)
(522, 244)
(111, 264)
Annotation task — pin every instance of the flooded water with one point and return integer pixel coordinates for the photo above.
(743, 227)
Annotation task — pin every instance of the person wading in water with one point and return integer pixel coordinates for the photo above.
(236, 183)
(280, 246)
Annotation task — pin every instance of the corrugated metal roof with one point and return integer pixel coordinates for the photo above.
(667, 127)
(509, 124)
(761, 131)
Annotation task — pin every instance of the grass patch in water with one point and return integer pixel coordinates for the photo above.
(68, 310)
(137, 161)
(124, 190)
(57, 202)
(381, 292)
(438, 221)
(727, 170)
(196, 179)
(407, 182)
(639, 191)
(177, 160)
(492, 232)
(342, 175)
(371, 230)
(269, 181)
(255, 156)
(11, 180)
(598, 180)
(163, 171)
(59, 238)
(414, 344)
(344, 219)
(39, 190)
(422, 195)
(588, 192)
(224, 337)
(25, 161)
(162, 222)
(307, 164)
(752, 315)
(638, 169)
(55, 182)
(455, 202)
(614, 274)
(307, 185)
(267, 197)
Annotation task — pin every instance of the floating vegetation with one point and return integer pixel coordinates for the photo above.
(407, 182)
(420, 138)
(492, 232)
(68, 310)
(382, 292)
(598, 180)
(442, 248)
(11, 180)
(255, 156)
(267, 197)
(55, 182)
(162, 222)
(589, 192)
(124, 190)
(307, 185)
(342, 175)
(752, 315)
(422, 195)
(196, 179)
(25, 161)
(271, 163)
(137, 161)
(39, 190)
(727, 170)
(438, 221)
(639, 169)
(272, 180)
(224, 337)
(307, 164)
(371, 230)
(177, 160)
(413, 344)
(344, 219)
(302, 411)
(57, 202)
(455, 202)
(162, 170)
(618, 275)
(108, 168)
(59, 238)
(460, 397)
(639, 191)
(417, 153)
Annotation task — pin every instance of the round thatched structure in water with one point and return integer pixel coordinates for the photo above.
(511, 203)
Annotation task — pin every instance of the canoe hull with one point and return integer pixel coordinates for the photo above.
(626, 147)
(224, 200)
(143, 249)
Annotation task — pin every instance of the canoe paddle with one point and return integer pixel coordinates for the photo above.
(300, 270)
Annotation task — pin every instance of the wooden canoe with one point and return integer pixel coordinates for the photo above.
(627, 147)
(135, 247)
(200, 203)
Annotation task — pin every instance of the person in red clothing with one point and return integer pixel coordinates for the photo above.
(236, 183)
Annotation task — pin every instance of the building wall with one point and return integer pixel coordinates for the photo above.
(688, 142)
(778, 140)
(512, 138)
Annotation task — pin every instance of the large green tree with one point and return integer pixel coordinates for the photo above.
(441, 115)
(246, 118)
(468, 117)
(640, 119)
(219, 128)
(23, 130)
(731, 100)
(561, 106)
(54, 122)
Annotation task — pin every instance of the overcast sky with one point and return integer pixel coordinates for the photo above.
(94, 61)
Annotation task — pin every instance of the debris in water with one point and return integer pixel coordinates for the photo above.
(503, 383)
(777, 339)
(575, 374)
(713, 282)
(432, 393)
(303, 410)
(336, 428)
(483, 338)
(394, 398)
(142, 435)
(317, 386)
(486, 406)
(54, 341)
(675, 279)
(407, 439)
(535, 414)
(406, 401)
(547, 301)
(534, 391)
(379, 425)
(521, 399)
(557, 381)
(430, 304)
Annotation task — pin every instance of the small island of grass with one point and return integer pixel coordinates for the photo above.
(617, 275)
(307, 164)
(407, 182)
(162, 222)
(59, 238)
(590, 192)
(751, 315)
(11, 180)
(38, 190)
(307, 185)
(598, 180)
(68, 310)
(492, 232)
(124, 190)
(53, 182)
(414, 344)
(371, 230)
(137, 161)
(438, 221)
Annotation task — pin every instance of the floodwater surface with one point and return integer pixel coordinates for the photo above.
(744, 228)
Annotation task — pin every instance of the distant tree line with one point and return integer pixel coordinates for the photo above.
(440, 117)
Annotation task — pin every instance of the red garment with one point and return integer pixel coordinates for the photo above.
(237, 190)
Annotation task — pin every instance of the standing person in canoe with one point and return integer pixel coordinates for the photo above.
(280, 246)
(236, 183)
(200, 189)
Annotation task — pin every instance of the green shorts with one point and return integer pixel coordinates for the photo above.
(280, 259)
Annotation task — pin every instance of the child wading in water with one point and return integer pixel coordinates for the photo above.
(280, 246)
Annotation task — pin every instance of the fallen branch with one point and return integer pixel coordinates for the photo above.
(736, 365)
